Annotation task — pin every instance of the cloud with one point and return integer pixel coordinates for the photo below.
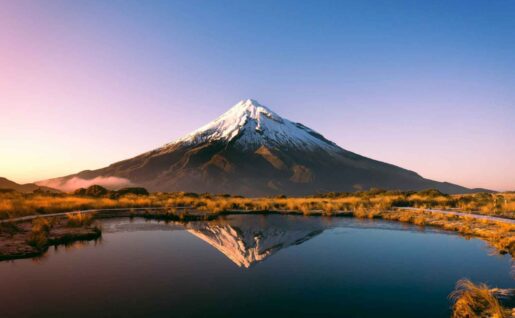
(74, 183)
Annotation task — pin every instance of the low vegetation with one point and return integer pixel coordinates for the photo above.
(40, 232)
(79, 219)
(13, 204)
(16, 204)
(366, 204)
(32, 238)
(471, 300)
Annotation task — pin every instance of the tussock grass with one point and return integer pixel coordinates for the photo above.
(40, 232)
(367, 204)
(14, 204)
(499, 235)
(487, 204)
(19, 204)
(471, 300)
(79, 219)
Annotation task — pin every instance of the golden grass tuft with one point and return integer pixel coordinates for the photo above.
(40, 232)
(471, 300)
(79, 219)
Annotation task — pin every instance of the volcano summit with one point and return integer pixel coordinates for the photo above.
(251, 150)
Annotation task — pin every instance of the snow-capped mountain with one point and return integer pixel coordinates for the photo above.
(251, 239)
(252, 125)
(251, 150)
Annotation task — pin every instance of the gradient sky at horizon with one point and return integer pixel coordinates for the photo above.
(425, 85)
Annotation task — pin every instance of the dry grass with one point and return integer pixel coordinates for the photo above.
(40, 231)
(488, 204)
(371, 204)
(366, 204)
(18, 204)
(471, 300)
(79, 219)
(499, 235)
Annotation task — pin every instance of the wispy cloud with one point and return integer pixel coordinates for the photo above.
(74, 183)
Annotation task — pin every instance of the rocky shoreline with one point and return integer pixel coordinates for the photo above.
(16, 239)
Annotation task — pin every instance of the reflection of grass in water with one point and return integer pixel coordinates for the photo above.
(471, 300)
(367, 204)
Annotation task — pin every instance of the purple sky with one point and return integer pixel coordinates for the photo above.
(428, 86)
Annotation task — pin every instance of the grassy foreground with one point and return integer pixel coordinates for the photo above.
(479, 300)
(368, 204)
(15, 204)
(470, 300)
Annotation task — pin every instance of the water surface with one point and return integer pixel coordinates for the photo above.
(251, 266)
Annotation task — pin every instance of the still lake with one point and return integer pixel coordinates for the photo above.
(252, 266)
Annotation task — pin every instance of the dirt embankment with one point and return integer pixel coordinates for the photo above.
(32, 239)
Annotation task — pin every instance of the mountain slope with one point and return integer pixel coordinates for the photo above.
(251, 150)
(25, 188)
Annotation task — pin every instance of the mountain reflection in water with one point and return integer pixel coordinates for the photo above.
(250, 239)
(334, 267)
(247, 240)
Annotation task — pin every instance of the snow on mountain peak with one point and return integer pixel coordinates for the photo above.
(249, 108)
(252, 125)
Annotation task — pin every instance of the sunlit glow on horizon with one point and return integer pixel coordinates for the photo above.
(87, 84)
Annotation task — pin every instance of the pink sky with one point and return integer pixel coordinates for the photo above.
(85, 85)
